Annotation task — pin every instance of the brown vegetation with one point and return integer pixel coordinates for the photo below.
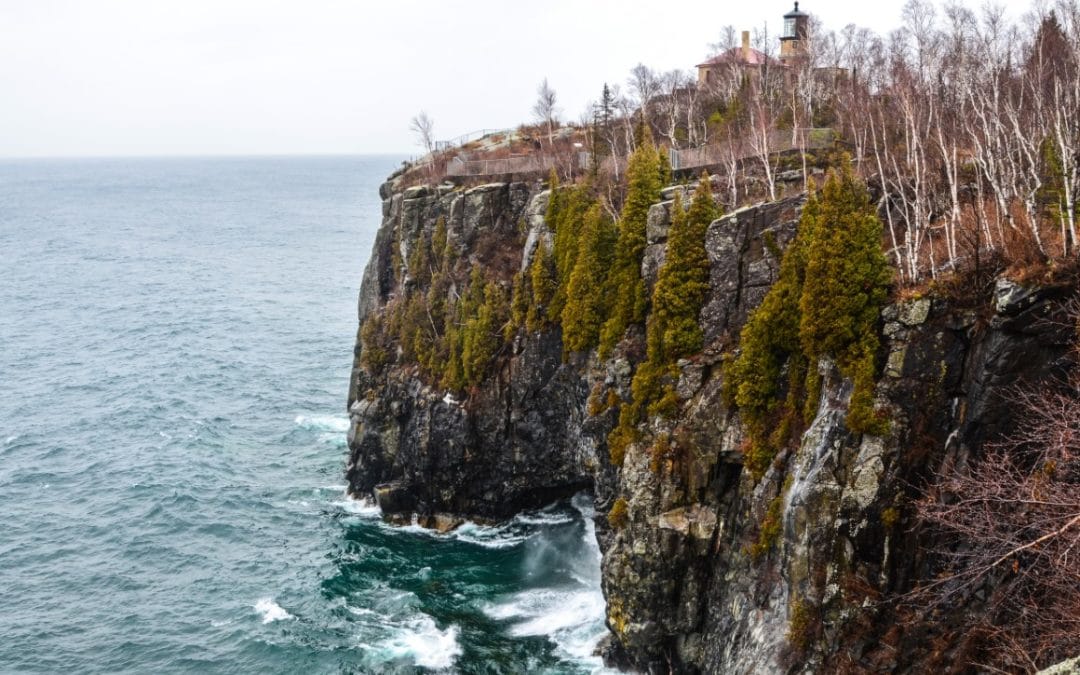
(1012, 520)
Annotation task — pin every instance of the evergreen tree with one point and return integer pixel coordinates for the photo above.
(625, 285)
(672, 331)
(603, 114)
(846, 285)
(519, 303)
(586, 303)
(666, 174)
(481, 339)
(826, 302)
(683, 281)
(454, 373)
(769, 342)
(543, 284)
(573, 204)
(374, 350)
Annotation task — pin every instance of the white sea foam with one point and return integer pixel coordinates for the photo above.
(323, 423)
(359, 507)
(571, 613)
(422, 641)
(488, 537)
(546, 611)
(271, 611)
(541, 518)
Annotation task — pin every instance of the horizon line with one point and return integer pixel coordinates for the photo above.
(268, 155)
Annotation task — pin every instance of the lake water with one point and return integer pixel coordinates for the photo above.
(175, 344)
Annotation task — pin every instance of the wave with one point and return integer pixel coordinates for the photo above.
(569, 609)
(333, 423)
(358, 507)
(271, 611)
(421, 641)
(495, 537)
(573, 619)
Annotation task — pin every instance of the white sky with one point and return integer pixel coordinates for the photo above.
(205, 77)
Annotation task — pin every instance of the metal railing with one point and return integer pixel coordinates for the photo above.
(740, 149)
(534, 163)
(467, 138)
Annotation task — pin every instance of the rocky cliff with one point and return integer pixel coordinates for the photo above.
(704, 568)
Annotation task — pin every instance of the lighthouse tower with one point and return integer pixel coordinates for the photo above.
(794, 38)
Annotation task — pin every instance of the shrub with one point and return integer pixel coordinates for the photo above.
(587, 299)
(619, 514)
(826, 302)
(625, 284)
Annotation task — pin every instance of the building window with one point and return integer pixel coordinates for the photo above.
(789, 28)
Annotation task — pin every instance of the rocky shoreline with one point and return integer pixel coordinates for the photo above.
(705, 570)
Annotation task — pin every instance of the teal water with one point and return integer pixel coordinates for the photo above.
(175, 344)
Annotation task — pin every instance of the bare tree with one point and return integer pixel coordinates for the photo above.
(729, 39)
(424, 128)
(644, 83)
(1013, 517)
(545, 108)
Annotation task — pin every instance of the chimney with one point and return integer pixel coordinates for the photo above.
(746, 46)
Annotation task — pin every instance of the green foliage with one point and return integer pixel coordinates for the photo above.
(682, 283)
(482, 332)
(619, 515)
(846, 286)
(772, 525)
(672, 330)
(419, 261)
(543, 285)
(624, 433)
(625, 285)
(770, 529)
(454, 340)
(826, 302)
(803, 625)
(586, 303)
(1051, 196)
(453, 376)
(519, 304)
(660, 451)
(666, 176)
(374, 351)
(566, 211)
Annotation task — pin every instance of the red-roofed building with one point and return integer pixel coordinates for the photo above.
(750, 61)
(743, 58)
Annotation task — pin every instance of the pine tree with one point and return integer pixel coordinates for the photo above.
(543, 285)
(481, 339)
(374, 352)
(586, 304)
(770, 341)
(625, 285)
(826, 302)
(846, 285)
(683, 281)
(573, 204)
(672, 331)
(519, 303)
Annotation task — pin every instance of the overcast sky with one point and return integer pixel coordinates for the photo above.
(215, 77)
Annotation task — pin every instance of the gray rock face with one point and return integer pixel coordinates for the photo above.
(538, 229)
(741, 266)
(692, 583)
